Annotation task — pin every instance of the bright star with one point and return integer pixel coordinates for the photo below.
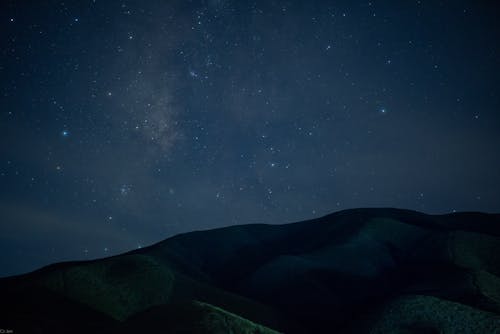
(65, 133)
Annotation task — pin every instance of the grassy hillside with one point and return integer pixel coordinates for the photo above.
(372, 265)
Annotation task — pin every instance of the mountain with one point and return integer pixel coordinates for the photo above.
(354, 271)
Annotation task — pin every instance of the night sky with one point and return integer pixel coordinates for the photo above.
(125, 122)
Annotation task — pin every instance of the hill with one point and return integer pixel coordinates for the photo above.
(363, 270)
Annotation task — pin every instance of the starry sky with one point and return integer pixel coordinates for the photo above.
(125, 122)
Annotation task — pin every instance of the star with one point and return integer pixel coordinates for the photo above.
(125, 189)
(65, 133)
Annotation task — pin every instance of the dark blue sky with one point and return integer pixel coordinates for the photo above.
(126, 122)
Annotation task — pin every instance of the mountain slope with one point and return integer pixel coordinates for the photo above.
(350, 271)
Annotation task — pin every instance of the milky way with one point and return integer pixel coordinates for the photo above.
(123, 123)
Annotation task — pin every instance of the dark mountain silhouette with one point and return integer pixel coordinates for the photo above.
(354, 271)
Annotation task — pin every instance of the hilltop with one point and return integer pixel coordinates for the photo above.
(362, 270)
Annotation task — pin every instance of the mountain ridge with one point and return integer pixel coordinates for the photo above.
(314, 275)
